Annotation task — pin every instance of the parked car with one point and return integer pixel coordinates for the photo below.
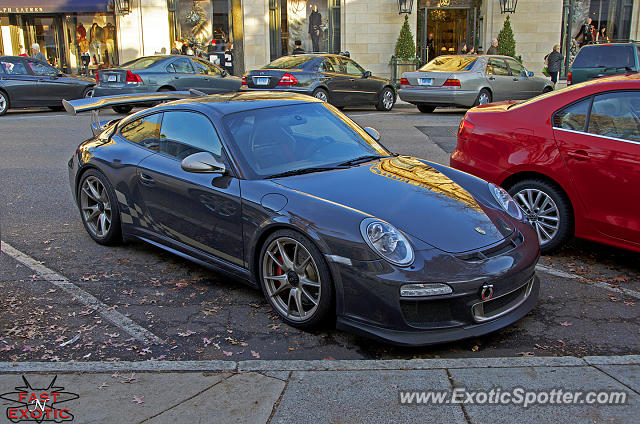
(288, 194)
(570, 159)
(332, 78)
(26, 82)
(163, 73)
(602, 60)
(469, 80)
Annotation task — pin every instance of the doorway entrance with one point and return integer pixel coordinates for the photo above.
(443, 30)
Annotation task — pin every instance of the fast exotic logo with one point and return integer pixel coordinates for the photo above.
(39, 405)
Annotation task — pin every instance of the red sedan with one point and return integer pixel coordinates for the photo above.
(570, 159)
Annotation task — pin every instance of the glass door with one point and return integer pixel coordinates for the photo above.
(47, 32)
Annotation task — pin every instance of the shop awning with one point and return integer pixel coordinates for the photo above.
(55, 6)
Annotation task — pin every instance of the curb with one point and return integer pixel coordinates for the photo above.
(314, 365)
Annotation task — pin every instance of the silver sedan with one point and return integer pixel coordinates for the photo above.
(469, 80)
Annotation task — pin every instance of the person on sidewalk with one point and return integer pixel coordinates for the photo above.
(554, 63)
(462, 48)
(37, 55)
(298, 49)
(493, 49)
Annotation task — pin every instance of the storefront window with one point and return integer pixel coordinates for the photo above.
(202, 25)
(93, 36)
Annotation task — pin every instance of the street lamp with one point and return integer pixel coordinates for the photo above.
(405, 6)
(508, 6)
(123, 7)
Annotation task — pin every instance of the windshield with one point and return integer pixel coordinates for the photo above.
(450, 64)
(603, 56)
(280, 139)
(142, 62)
(289, 62)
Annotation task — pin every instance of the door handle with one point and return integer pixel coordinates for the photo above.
(146, 179)
(492, 78)
(579, 155)
(516, 79)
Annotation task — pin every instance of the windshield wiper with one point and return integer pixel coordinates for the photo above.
(303, 171)
(363, 159)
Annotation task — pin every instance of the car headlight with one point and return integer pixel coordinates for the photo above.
(505, 200)
(387, 241)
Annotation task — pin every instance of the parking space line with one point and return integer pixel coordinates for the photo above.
(121, 321)
(599, 284)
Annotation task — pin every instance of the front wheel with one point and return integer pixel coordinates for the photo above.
(426, 108)
(98, 208)
(122, 109)
(4, 103)
(547, 209)
(321, 94)
(484, 97)
(295, 279)
(386, 100)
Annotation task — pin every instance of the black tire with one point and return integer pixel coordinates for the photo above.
(480, 98)
(88, 92)
(564, 214)
(321, 94)
(113, 235)
(4, 103)
(386, 100)
(166, 89)
(123, 109)
(56, 108)
(547, 90)
(323, 309)
(426, 108)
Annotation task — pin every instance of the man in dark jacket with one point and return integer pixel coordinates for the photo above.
(554, 63)
(298, 49)
(493, 49)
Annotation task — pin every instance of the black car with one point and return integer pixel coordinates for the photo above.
(164, 73)
(26, 82)
(604, 60)
(288, 194)
(332, 78)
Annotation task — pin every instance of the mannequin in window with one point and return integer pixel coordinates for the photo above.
(96, 35)
(315, 20)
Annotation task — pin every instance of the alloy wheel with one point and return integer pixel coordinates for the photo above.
(95, 206)
(387, 99)
(541, 211)
(321, 95)
(3, 104)
(88, 93)
(291, 279)
(483, 99)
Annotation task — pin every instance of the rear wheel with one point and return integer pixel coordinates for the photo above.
(426, 108)
(98, 208)
(166, 89)
(547, 90)
(484, 97)
(88, 92)
(295, 279)
(547, 209)
(386, 100)
(123, 109)
(4, 103)
(321, 94)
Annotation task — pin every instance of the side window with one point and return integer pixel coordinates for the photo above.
(516, 67)
(41, 69)
(497, 67)
(352, 68)
(13, 67)
(573, 117)
(206, 68)
(185, 133)
(144, 131)
(326, 66)
(335, 64)
(181, 66)
(616, 115)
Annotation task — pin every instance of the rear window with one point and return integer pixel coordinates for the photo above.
(142, 62)
(289, 62)
(450, 64)
(614, 56)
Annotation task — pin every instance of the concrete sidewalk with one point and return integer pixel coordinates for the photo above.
(326, 391)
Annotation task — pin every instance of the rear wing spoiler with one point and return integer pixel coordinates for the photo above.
(94, 104)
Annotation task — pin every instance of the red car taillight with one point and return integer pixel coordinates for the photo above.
(404, 81)
(569, 78)
(288, 79)
(133, 78)
(466, 127)
(244, 81)
(452, 83)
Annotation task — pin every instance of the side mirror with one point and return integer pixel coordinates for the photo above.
(529, 74)
(366, 74)
(203, 163)
(224, 73)
(373, 133)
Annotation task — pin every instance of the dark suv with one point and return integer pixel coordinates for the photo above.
(602, 60)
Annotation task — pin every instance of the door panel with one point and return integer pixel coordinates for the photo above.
(183, 76)
(361, 88)
(19, 83)
(52, 87)
(337, 82)
(499, 79)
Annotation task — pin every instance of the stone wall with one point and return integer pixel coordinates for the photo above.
(144, 31)
(256, 33)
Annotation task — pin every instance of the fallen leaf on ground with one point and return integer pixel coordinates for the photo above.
(138, 399)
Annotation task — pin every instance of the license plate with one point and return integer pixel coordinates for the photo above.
(262, 81)
(112, 78)
(425, 81)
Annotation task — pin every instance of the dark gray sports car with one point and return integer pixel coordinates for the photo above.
(163, 73)
(332, 78)
(290, 195)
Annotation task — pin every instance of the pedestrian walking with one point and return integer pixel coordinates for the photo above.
(554, 63)
(493, 48)
(36, 54)
(462, 48)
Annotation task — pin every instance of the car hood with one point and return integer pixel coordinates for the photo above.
(411, 195)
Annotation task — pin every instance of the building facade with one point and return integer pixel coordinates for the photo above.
(109, 32)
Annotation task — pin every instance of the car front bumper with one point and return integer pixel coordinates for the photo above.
(438, 96)
(371, 304)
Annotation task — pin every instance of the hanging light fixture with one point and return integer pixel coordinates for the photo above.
(123, 7)
(405, 6)
(508, 6)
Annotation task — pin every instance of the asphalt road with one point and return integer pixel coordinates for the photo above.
(199, 315)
